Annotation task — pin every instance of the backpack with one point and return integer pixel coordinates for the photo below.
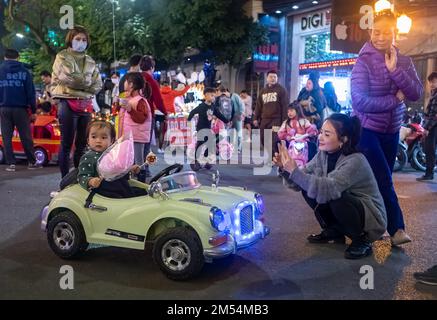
(225, 107)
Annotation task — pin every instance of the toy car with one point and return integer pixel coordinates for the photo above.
(187, 223)
(46, 140)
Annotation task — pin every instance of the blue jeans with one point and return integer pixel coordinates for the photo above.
(73, 127)
(380, 150)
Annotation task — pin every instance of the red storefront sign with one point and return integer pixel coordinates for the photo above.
(179, 131)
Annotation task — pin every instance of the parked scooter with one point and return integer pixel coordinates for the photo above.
(410, 146)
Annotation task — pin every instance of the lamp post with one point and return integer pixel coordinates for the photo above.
(113, 33)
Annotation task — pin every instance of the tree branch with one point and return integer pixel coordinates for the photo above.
(39, 37)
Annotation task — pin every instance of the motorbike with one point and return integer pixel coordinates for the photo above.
(410, 147)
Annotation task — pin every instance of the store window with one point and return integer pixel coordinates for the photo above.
(317, 48)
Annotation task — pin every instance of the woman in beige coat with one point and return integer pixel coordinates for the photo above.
(75, 81)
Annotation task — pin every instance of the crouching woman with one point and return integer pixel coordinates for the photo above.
(338, 184)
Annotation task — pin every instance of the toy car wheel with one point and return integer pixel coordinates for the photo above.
(2, 156)
(66, 236)
(178, 253)
(41, 156)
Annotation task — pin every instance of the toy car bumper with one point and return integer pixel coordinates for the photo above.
(231, 246)
(44, 214)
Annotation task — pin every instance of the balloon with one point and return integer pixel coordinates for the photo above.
(194, 76)
(181, 78)
(201, 76)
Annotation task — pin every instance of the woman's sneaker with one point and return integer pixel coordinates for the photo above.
(358, 249)
(11, 168)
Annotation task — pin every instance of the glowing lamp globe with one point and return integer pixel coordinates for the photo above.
(404, 24)
(381, 5)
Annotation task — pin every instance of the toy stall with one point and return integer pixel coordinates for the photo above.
(179, 130)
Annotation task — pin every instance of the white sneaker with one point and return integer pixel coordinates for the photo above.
(11, 168)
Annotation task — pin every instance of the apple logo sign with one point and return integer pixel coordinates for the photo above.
(340, 31)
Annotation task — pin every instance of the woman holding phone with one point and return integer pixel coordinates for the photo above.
(382, 79)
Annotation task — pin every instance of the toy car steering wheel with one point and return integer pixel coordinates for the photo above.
(167, 171)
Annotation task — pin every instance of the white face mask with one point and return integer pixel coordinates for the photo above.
(79, 46)
(115, 80)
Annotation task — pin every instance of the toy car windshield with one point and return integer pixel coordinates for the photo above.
(179, 181)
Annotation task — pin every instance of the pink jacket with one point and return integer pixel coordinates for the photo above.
(304, 127)
(140, 131)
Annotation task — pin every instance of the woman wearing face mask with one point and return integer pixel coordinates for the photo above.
(338, 184)
(381, 80)
(75, 80)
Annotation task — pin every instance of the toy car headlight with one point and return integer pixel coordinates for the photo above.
(259, 203)
(217, 219)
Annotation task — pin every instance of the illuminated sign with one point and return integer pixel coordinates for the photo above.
(266, 57)
(327, 64)
(315, 21)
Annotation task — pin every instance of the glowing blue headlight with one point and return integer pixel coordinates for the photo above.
(259, 203)
(217, 219)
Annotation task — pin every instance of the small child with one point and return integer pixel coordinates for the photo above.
(296, 131)
(135, 116)
(206, 110)
(101, 134)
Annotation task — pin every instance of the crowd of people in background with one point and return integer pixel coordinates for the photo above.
(336, 161)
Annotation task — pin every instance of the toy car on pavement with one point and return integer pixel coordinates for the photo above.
(188, 224)
(46, 141)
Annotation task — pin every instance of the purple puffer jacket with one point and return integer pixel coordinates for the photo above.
(374, 90)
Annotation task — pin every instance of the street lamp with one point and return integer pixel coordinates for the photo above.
(382, 5)
(403, 22)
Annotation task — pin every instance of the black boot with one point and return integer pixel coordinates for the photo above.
(358, 249)
(426, 177)
(326, 236)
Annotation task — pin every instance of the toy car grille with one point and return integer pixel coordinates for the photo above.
(246, 220)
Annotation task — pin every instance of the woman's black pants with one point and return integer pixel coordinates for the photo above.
(343, 216)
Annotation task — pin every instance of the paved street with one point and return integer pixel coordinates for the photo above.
(283, 266)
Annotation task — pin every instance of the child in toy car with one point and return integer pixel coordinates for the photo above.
(101, 134)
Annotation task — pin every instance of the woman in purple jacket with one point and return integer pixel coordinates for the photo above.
(381, 80)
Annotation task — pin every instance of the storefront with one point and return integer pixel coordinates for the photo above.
(310, 51)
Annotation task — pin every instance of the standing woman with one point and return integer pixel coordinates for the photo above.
(75, 80)
(312, 100)
(381, 80)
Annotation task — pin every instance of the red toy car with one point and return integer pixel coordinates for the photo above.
(46, 140)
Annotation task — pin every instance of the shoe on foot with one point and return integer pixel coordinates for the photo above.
(425, 177)
(358, 249)
(11, 168)
(400, 237)
(428, 277)
(326, 236)
(33, 166)
(208, 166)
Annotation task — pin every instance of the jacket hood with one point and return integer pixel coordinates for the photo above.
(166, 90)
(12, 65)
